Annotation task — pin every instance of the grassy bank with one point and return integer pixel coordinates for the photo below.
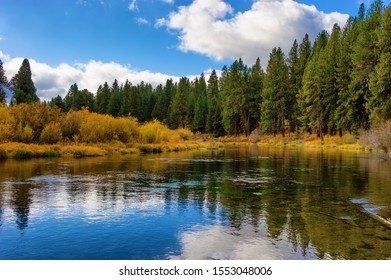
(25, 151)
(17, 150)
(348, 141)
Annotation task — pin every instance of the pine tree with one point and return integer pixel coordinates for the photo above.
(254, 97)
(57, 102)
(102, 99)
(380, 80)
(297, 69)
(178, 106)
(311, 94)
(25, 91)
(344, 70)
(70, 98)
(77, 99)
(213, 120)
(327, 67)
(273, 107)
(201, 105)
(126, 96)
(115, 101)
(365, 56)
(234, 99)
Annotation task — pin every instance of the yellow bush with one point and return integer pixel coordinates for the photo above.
(51, 134)
(154, 132)
(36, 116)
(123, 129)
(23, 134)
(185, 133)
(7, 123)
(93, 129)
(71, 123)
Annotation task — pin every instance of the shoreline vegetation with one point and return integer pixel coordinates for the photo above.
(40, 131)
(20, 151)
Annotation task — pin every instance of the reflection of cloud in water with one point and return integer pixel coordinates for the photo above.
(218, 242)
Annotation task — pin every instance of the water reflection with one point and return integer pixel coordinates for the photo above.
(240, 203)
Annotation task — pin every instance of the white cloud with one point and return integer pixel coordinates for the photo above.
(160, 22)
(52, 81)
(133, 6)
(211, 28)
(169, 1)
(141, 21)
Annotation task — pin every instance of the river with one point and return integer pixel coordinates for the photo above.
(235, 203)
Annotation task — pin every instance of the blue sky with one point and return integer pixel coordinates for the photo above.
(90, 41)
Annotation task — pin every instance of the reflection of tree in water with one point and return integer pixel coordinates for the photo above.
(306, 200)
(21, 201)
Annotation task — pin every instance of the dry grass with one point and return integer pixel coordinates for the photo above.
(347, 141)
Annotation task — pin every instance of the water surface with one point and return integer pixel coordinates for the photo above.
(237, 203)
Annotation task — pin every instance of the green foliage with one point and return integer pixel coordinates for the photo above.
(77, 99)
(21, 154)
(23, 134)
(365, 56)
(274, 94)
(379, 103)
(200, 113)
(213, 119)
(25, 91)
(178, 108)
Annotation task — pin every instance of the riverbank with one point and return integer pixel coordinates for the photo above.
(17, 150)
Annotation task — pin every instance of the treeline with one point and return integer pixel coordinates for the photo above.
(340, 83)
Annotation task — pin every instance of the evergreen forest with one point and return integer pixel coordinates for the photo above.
(339, 82)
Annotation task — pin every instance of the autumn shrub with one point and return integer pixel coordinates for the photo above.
(23, 134)
(71, 123)
(51, 134)
(149, 131)
(378, 137)
(36, 116)
(7, 123)
(156, 132)
(93, 128)
(123, 129)
(184, 133)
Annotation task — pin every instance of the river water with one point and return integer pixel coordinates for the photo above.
(235, 203)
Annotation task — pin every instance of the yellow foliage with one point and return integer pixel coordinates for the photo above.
(23, 134)
(156, 132)
(36, 116)
(185, 133)
(71, 123)
(51, 134)
(7, 123)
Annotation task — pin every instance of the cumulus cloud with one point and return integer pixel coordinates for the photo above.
(52, 81)
(212, 28)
